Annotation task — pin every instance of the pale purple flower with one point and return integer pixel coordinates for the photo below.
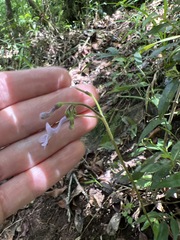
(50, 131)
(45, 115)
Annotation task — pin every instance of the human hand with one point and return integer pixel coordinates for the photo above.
(27, 170)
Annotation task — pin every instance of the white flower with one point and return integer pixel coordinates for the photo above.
(50, 132)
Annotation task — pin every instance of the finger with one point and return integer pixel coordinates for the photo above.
(25, 154)
(22, 119)
(16, 86)
(32, 183)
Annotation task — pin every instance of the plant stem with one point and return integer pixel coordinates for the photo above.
(173, 110)
(100, 115)
(125, 168)
(103, 119)
(60, 104)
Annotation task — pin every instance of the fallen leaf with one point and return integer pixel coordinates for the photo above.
(106, 177)
(142, 236)
(56, 192)
(160, 207)
(62, 203)
(136, 214)
(79, 189)
(96, 197)
(113, 224)
(78, 220)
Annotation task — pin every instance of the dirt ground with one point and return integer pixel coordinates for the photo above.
(45, 220)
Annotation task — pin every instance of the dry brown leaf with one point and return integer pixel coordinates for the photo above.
(79, 189)
(106, 177)
(136, 213)
(96, 197)
(56, 192)
(113, 224)
(62, 203)
(78, 220)
(142, 236)
(96, 169)
(160, 207)
(80, 174)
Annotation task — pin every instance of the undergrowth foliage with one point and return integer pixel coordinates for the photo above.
(159, 174)
(151, 73)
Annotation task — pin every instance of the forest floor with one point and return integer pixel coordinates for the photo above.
(89, 202)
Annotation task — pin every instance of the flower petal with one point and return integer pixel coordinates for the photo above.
(44, 139)
(63, 120)
(50, 131)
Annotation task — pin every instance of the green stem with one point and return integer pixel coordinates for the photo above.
(173, 111)
(60, 104)
(125, 168)
(102, 117)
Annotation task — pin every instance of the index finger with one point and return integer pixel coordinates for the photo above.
(16, 86)
(23, 188)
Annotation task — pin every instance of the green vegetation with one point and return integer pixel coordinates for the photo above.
(145, 72)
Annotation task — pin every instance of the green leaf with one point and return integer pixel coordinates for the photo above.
(123, 88)
(155, 166)
(167, 97)
(149, 18)
(107, 145)
(147, 47)
(175, 152)
(171, 193)
(138, 151)
(151, 215)
(163, 231)
(150, 127)
(159, 28)
(155, 99)
(155, 228)
(170, 181)
(120, 60)
(174, 228)
(145, 225)
(160, 175)
(145, 181)
(137, 175)
(113, 50)
(138, 58)
(176, 57)
(157, 51)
